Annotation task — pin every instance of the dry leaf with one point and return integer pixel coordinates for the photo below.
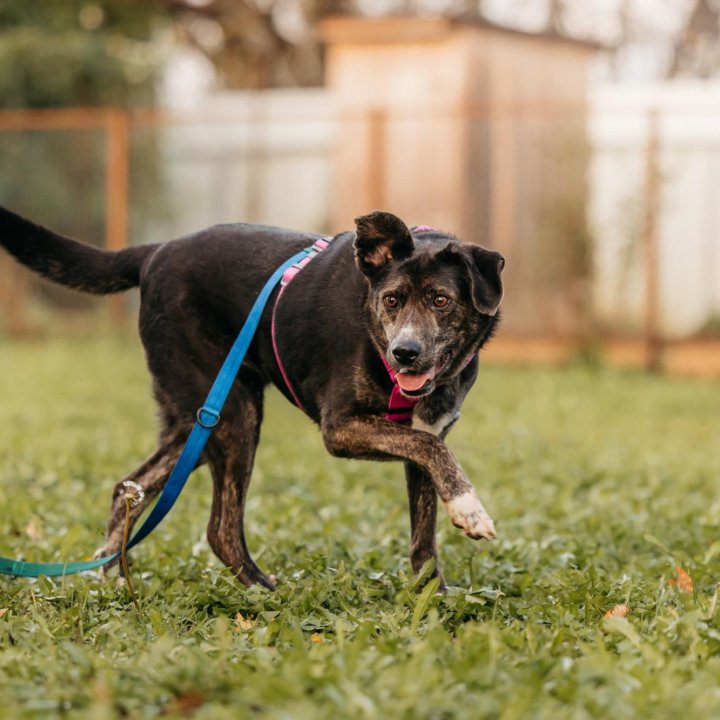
(186, 704)
(317, 638)
(241, 624)
(618, 611)
(4, 612)
(683, 583)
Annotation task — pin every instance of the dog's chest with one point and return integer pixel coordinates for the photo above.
(439, 426)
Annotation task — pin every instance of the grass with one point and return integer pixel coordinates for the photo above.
(601, 483)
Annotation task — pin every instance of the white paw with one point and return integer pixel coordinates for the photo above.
(100, 552)
(104, 570)
(467, 512)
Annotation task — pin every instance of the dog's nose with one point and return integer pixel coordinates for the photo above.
(406, 352)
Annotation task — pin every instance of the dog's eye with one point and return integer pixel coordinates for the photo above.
(441, 301)
(390, 301)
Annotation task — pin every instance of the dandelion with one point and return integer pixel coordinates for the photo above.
(134, 494)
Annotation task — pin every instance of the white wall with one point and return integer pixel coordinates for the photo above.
(249, 157)
(689, 216)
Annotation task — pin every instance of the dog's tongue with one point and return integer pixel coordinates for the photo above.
(412, 382)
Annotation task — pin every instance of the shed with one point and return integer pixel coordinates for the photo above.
(479, 130)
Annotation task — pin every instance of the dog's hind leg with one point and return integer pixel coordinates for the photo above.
(231, 454)
(151, 476)
(422, 497)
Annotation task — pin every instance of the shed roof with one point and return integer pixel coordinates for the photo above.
(410, 29)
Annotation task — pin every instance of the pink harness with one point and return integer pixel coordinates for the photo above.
(290, 273)
(399, 409)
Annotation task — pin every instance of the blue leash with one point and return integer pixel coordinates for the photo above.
(208, 417)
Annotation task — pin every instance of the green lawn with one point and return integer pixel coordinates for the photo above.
(600, 483)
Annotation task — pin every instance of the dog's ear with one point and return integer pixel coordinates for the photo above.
(482, 268)
(381, 238)
(487, 287)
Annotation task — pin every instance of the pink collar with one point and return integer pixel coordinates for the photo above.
(400, 407)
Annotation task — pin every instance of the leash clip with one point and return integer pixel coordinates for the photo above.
(207, 417)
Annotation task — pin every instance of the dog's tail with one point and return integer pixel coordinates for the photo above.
(69, 262)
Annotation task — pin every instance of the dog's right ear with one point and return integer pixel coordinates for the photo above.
(381, 238)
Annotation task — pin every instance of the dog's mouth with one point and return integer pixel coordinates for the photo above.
(416, 384)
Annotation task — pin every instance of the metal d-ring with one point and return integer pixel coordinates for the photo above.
(202, 417)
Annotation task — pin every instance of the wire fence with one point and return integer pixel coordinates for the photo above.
(589, 216)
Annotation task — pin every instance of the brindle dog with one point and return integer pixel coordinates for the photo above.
(420, 299)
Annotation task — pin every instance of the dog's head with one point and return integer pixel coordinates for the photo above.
(433, 300)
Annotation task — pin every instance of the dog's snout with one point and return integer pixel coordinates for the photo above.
(406, 352)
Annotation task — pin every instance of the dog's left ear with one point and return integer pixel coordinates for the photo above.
(381, 238)
(483, 268)
(487, 287)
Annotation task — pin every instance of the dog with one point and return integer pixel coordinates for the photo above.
(384, 311)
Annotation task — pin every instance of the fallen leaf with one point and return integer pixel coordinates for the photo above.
(241, 624)
(185, 704)
(618, 611)
(683, 583)
(4, 612)
(317, 638)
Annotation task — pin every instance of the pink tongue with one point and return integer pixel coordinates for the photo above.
(411, 382)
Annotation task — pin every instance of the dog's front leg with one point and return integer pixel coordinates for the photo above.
(373, 438)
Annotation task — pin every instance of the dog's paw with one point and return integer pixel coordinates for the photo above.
(102, 552)
(467, 512)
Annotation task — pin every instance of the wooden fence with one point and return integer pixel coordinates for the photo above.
(270, 159)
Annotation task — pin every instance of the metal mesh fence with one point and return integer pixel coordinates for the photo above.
(590, 219)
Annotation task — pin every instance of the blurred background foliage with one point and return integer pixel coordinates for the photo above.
(76, 53)
(112, 52)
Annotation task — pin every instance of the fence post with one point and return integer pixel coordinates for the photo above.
(653, 339)
(377, 157)
(117, 127)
